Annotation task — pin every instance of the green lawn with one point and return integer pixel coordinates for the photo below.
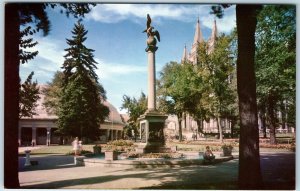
(190, 146)
(57, 149)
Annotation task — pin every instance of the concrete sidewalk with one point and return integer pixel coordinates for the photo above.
(59, 172)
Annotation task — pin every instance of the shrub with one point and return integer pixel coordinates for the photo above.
(83, 152)
(155, 155)
(227, 146)
(120, 142)
(97, 149)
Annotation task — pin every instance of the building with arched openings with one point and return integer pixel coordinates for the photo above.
(40, 128)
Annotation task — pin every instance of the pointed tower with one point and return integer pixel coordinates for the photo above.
(197, 39)
(212, 40)
(184, 55)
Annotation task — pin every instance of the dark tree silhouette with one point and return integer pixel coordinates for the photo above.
(249, 159)
(17, 14)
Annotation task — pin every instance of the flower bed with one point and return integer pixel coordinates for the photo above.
(155, 155)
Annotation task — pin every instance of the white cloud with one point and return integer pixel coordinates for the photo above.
(112, 13)
(48, 60)
(112, 71)
(50, 53)
(225, 24)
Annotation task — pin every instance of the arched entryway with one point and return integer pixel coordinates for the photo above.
(41, 136)
(55, 137)
(26, 136)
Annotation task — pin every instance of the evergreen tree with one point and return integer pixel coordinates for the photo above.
(80, 107)
(29, 95)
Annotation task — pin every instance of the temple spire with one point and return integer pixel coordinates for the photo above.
(184, 55)
(198, 34)
(198, 38)
(213, 38)
(214, 31)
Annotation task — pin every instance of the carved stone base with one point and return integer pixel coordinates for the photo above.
(152, 132)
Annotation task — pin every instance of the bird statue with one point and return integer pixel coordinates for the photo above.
(151, 33)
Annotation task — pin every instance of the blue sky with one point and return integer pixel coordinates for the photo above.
(115, 33)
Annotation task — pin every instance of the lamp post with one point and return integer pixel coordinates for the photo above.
(48, 137)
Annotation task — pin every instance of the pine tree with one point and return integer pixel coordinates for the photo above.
(80, 107)
(29, 95)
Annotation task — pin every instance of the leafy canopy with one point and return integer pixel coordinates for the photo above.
(29, 95)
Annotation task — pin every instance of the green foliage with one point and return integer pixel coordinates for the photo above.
(177, 84)
(53, 93)
(135, 108)
(216, 70)
(276, 63)
(24, 55)
(203, 90)
(120, 146)
(33, 18)
(120, 143)
(80, 106)
(156, 155)
(176, 87)
(82, 152)
(227, 146)
(29, 95)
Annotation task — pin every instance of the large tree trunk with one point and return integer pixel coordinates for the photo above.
(220, 129)
(180, 126)
(263, 122)
(249, 159)
(11, 96)
(272, 120)
(233, 123)
(200, 126)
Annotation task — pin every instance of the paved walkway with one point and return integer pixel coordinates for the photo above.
(59, 172)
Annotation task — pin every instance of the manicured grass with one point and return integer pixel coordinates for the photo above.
(57, 149)
(183, 146)
(199, 146)
(216, 146)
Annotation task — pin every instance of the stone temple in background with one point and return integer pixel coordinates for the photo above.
(189, 125)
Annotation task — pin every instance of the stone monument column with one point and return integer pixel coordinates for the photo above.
(151, 82)
(152, 122)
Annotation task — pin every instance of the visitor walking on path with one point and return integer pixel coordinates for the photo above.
(75, 145)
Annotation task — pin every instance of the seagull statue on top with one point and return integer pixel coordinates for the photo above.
(152, 36)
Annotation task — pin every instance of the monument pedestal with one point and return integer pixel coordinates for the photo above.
(152, 132)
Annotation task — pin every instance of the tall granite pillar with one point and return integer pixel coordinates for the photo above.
(152, 122)
(151, 81)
